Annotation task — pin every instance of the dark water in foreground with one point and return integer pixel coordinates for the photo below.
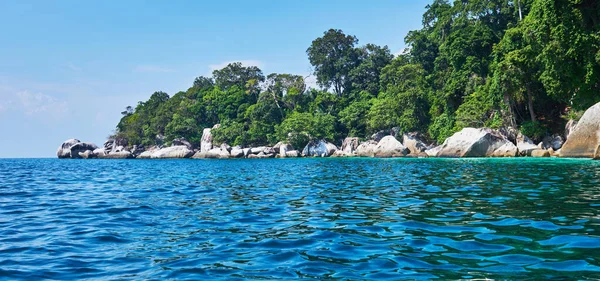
(354, 219)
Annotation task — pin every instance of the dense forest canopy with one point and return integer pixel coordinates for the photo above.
(530, 64)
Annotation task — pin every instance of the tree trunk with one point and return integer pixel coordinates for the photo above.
(511, 118)
(520, 13)
(530, 104)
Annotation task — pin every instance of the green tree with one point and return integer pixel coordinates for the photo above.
(333, 57)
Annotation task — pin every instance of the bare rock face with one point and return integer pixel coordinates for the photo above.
(292, 154)
(256, 150)
(88, 154)
(433, 152)
(584, 140)
(366, 149)
(540, 153)
(555, 142)
(525, 145)
(414, 143)
(236, 152)
(349, 145)
(506, 150)
(124, 154)
(389, 146)
(283, 149)
(178, 151)
(148, 153)
(570, 127)
(472, 142)
(319, 148)
(207, 139)
(212, 154)
(182, 141)
(100, 152)
(71, 148)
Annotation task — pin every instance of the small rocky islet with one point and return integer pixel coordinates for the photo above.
(581, 139)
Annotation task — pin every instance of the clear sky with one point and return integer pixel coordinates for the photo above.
(68, 68)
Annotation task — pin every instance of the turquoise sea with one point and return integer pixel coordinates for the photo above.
(352, 219)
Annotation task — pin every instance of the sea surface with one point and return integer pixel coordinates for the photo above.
(354, 219)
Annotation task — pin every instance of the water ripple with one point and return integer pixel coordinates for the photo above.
(383, 219)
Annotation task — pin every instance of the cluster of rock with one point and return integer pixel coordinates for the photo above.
(224, 151)
(582, 140)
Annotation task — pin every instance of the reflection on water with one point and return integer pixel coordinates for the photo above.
(300, 218)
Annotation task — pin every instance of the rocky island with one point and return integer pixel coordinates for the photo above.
(582, 141)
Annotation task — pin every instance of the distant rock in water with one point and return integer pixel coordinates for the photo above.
(472, 142)
(584, 140)
(73, 147)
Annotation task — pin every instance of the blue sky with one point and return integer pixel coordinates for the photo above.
(68, 68)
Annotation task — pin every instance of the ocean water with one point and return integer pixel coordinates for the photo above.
(356, 219)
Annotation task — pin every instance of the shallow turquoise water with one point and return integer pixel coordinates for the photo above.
(401, 219)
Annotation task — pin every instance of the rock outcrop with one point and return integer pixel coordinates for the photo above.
(507, 150)
(472, 142)
(282, 149)
(366, 149)
(433, 152)
(584, 141)
(349, 145)
(524, 145)
(569, 128)
(414, 143)
(540, 153)
(73, 147)
(122, 154)
(148, 153)
(318, 148)
(389, 146)
(237, 152)
(182, 141)
(206, 142)
(177, 151)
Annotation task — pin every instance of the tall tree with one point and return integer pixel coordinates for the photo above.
(333, 57)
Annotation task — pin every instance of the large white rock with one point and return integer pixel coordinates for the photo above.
(207, 139)
(414, 143)
(283, 149)
(72, 147)
(525, 145)
(124, 154)
(389, 146)
(570, 127)
(64, 150)
(178, 151)
(472, 142)
(433, 152)
(366, 149)
(507, 150)
(148, 153)
(237, 152)
(584, 140)
(257, 150)
(319, 148)
(349, 145)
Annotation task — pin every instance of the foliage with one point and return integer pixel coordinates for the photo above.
(480, 63)
(533, 129)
